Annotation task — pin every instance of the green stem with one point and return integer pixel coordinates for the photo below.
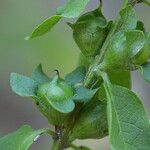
(105, 45)
(51, 133)
(90, 77)
(58, 138)
(55, 145)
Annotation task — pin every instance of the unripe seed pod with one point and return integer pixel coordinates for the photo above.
(92, 121)
(50, 96)
(90, 32)
(124, 49)
(144, 53)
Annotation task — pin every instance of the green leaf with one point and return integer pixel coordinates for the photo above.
(72, 9)
(39, 76)
(23, 85)
(56, 94)
(122, 78)
(129, 127)
(83, 61)
(56, 114)
(44, 27)
(144, 54)
(83, 94)
(65, 106)
(145, 70)
(135, 41)
(21, 139)
(128, 19)
(76, 76)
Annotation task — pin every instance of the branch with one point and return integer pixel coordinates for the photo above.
(55, 145)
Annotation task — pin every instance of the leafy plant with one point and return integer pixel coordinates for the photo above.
(94, 100)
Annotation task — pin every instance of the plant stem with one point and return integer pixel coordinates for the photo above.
(55, 145)
(90, 77)
(51, 133)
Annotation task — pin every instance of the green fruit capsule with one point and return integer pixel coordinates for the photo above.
(125, 50)
(144, 53)
(92, 121)
(54, 100)
(90, 32)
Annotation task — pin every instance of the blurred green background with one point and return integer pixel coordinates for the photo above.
(55, 50)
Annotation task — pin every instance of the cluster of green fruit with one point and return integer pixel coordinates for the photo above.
(58, 99)
(129, 47)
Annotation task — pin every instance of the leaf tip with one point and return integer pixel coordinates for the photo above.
(12, 74)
